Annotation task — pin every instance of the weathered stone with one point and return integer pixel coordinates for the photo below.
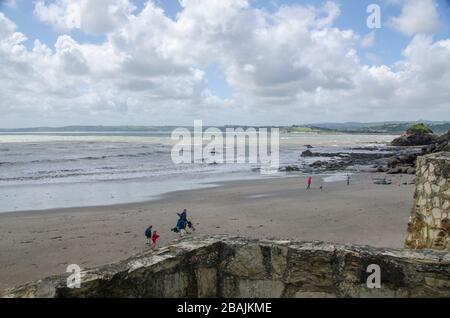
(431, 204)
(435, 188)
(313, 295)
(310, 266)
(246, 262)
(445, 205)
(206, 282)
(427, 188)
(437, 213)
(436, 202)
(421, 201)
(251, 288)
(282, 269)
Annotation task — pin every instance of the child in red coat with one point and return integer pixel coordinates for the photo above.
(309, 183)
(155, 238)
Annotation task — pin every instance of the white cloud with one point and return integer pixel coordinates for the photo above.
(291, 65)
(417, 16)
(69, 54)
(91, 16)
(63, 14)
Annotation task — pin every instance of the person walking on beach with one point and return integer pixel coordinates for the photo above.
(181, 224)
(309, 183)
(148, 233)
(155, 238)
(183, 215)
(348, 179)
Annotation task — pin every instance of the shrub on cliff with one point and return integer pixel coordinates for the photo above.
(421, 129)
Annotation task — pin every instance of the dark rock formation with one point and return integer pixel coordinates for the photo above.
(415, 140)
(351, 155)
(340, 161)
(416, 135)
(237, 267)
(383, 181)
(290, 168)
(406, 162)
(332, 165)
(307, 153)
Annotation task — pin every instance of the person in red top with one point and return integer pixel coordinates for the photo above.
(309, 183)
(155, 238)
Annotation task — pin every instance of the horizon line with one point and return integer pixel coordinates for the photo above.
(234, 125)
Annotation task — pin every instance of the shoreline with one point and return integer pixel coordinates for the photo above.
(211, 183)
(36, 244)
(127, 171)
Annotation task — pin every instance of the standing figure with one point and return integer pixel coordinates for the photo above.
(155, 238)
(309, 183)
(148, 233)
(181, 224)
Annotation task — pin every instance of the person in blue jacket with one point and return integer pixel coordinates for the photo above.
(181, 223)
(148, 234)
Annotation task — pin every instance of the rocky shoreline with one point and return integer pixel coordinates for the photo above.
(368, 159)
(394, 158)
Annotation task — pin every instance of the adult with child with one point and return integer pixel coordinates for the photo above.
(181, 223)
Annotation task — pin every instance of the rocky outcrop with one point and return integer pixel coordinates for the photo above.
(416, 135)
(236, 267)
(307, 153)
(441, 144)
(406, 162)
(429, 224)
(338, 161)
(351, 155)
(402, 163)
(290, 168)
(415, 140)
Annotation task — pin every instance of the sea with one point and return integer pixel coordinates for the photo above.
(40, 171)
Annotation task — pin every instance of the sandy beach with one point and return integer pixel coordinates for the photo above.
(41, 243)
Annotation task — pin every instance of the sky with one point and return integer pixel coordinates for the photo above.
(242, 62)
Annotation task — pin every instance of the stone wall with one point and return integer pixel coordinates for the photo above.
(429, 224)
(236, 267)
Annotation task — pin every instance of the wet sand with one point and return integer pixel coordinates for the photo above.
(41, 243)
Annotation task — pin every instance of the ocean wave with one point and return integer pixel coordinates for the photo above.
(53, 176)
(49, 172)
(108, 173)
(87, 158)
